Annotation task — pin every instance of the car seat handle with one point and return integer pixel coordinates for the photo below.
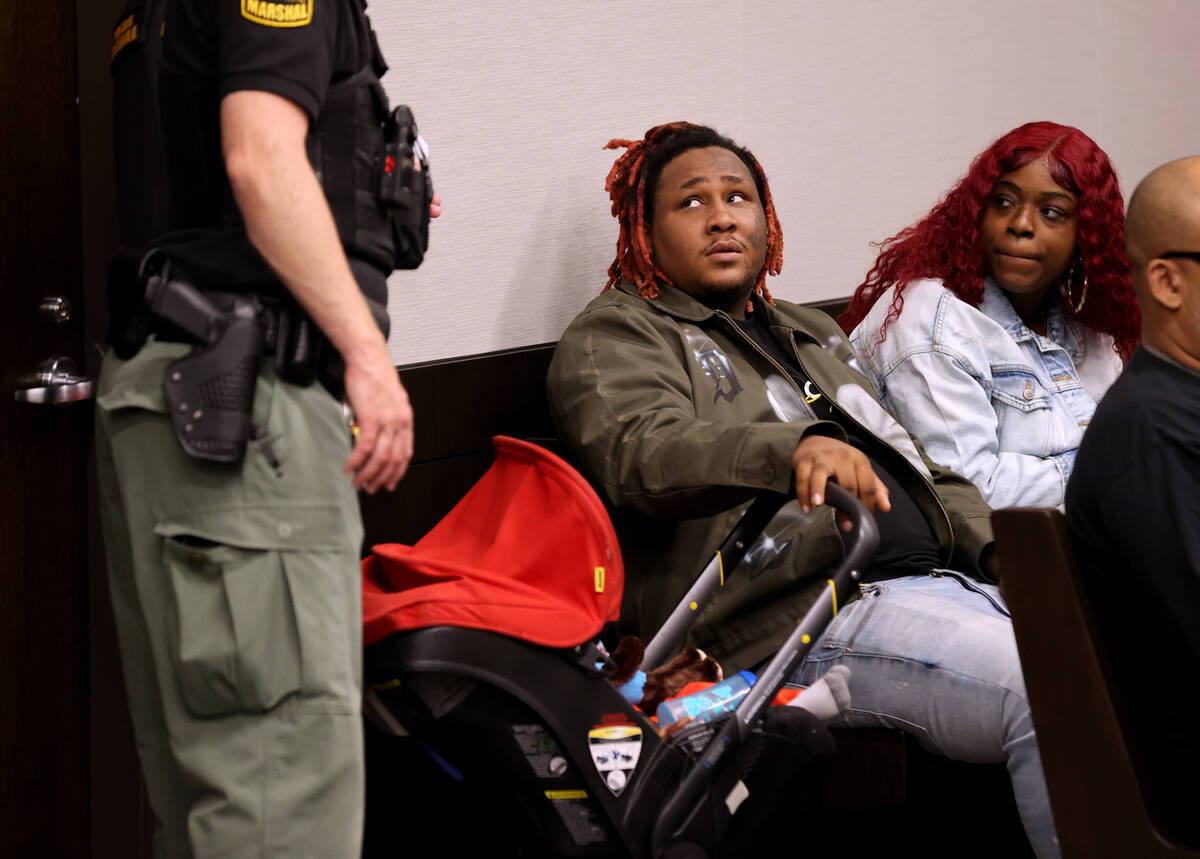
(722, 749)
(864, 538)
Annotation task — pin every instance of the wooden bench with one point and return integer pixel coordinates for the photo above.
(1100, 809)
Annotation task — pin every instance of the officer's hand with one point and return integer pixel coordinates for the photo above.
(385, 420)
(819, 458)
(435, 205)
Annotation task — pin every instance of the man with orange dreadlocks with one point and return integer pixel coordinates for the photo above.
(684, 389)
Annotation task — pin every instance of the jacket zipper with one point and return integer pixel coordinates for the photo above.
(772, 362)
(733, 325)
(847, 416)
(904, 459)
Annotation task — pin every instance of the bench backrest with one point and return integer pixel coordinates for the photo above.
(1098, 803)
(459, 404)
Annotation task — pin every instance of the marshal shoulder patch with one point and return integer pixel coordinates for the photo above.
(279, 13)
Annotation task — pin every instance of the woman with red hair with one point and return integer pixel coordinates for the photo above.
(993, 326)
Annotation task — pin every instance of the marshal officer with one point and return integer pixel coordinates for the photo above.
(267, 189)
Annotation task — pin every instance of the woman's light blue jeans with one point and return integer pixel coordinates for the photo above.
(935, 656)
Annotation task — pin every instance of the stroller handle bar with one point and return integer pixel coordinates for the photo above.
(670, 636)
(865, 540)
(737, 727)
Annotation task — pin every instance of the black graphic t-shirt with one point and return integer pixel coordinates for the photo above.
(906, 542)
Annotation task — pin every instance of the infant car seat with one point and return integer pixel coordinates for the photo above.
(481, 643)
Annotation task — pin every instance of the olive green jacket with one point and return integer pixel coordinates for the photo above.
(680, 419)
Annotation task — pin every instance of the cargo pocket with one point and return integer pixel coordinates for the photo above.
(237, 646)
(252, 593)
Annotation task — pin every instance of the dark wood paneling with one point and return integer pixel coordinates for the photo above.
(462, 402)
(459, 405)
(430, 489)
(834, 306)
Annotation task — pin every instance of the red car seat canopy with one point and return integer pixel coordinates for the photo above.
(528, 552)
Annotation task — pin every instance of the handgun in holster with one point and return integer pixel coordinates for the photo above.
(209, 393)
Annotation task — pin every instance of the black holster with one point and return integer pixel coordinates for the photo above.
(210, 391)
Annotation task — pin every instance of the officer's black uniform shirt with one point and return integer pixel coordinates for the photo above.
(211, 48)
(906, 542)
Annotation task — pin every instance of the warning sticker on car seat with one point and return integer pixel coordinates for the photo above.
(578, 816)
(541, 750)
(615, 750)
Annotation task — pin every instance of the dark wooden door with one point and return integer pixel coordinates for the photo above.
(121, 820)
(69, 783)
(43, 448)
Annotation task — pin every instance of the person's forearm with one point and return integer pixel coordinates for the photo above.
(288, 220)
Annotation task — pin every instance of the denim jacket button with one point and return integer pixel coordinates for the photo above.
(1028, 392)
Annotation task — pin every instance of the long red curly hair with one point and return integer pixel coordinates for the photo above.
(632, 183)
(945, 244)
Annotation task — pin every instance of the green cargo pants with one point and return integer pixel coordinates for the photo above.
(237, 600)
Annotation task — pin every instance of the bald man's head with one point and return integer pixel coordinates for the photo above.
(1164, 212)
(1164, 218)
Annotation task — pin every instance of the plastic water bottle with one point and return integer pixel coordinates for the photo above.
(707, 704)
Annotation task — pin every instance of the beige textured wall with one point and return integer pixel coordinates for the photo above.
(862, 112)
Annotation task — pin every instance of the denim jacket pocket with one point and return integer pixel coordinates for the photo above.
(1024, 412)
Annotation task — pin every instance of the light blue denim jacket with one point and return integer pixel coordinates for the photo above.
(988, 397)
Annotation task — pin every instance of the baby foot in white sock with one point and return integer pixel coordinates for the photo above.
(828, 696)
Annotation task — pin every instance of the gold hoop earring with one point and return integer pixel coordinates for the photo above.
(1064, 289)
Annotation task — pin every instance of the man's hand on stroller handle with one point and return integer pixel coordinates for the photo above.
(819, 458)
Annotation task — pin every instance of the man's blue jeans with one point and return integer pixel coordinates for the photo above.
(935, 656)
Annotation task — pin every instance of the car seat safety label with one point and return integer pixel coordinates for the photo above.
(615, 750)
(566, 794)
(572, 804)
(541, 750)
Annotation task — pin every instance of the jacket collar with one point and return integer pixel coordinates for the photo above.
(1060, 330)
(775, 319)
(675, 302)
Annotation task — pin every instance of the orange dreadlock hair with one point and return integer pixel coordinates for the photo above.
(631, 186)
